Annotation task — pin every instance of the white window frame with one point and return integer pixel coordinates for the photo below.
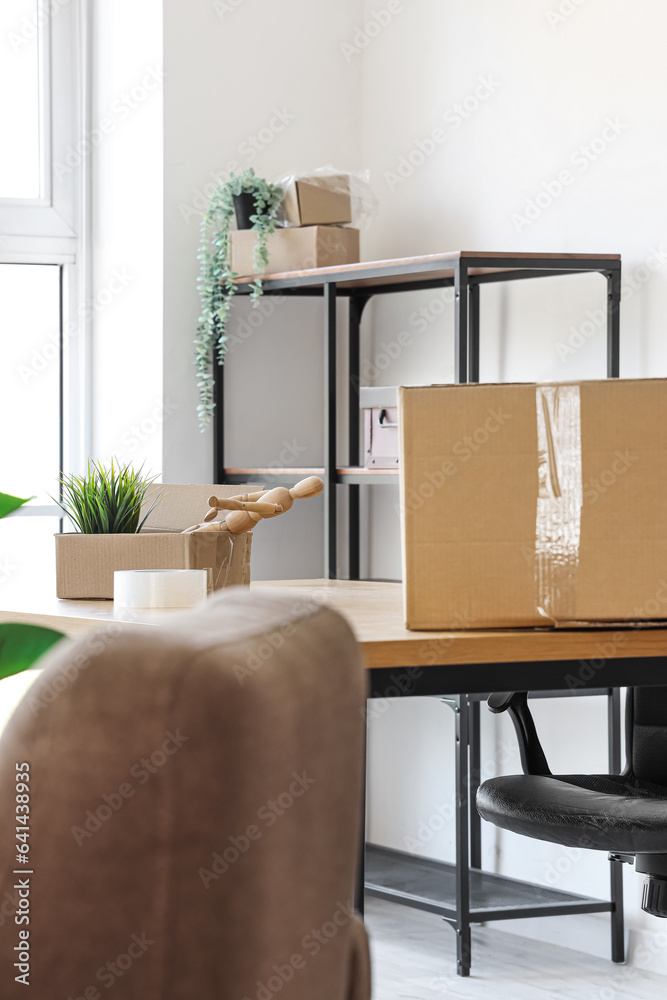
(56, 227)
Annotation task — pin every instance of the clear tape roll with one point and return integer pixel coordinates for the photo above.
(159, 588)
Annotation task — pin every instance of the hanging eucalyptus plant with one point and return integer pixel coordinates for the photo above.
(216, 279)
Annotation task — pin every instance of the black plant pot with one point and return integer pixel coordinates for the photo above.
(244, 207)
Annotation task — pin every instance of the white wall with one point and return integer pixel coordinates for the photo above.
(250, 83)
(550, 88)
(126, 299)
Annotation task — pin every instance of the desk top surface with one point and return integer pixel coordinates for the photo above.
(375, 611)
(437, 266)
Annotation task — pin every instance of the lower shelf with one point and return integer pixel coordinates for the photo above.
(431, 886)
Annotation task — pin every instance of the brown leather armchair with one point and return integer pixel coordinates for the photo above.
(194, 811)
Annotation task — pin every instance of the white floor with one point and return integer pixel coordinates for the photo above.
(414, 958)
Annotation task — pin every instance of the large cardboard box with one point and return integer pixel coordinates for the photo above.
(527, 505)
(296, 249)
(85, 564)
(316, 201)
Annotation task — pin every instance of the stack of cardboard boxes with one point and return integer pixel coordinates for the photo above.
(316, 210)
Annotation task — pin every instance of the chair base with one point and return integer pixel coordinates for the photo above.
(654, 896)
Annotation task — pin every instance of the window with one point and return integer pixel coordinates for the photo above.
(20, 101)
(43, 243)
(30, 379)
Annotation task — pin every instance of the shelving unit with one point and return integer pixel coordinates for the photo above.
(466, 272)
(462, 894)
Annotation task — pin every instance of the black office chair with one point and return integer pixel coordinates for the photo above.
(624, 814)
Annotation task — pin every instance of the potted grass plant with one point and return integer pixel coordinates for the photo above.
(254, 202)
(122, 523)
(107, 501)
(21, 645)
(107, 506)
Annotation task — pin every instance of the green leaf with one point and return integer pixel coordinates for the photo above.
(22, 645)
(9, 503)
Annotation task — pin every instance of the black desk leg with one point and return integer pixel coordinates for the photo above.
(460, 322)
(462, 717)
(357, 303)
(475, 779)
(361, 864)
(613, 323)
(330, 527)
(473, 333)
(616, 867)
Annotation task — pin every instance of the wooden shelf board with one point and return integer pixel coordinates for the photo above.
(403, 270)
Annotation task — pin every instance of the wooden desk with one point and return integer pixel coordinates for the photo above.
(458, 665)
(438, 662)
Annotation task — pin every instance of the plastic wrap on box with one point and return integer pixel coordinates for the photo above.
(327, 196)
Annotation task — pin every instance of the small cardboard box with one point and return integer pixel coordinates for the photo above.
(296, 249)
(527, 505)
(85, 564)
(318, 201)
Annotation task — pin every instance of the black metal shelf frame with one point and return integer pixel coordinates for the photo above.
(358, 287)
(458, 902)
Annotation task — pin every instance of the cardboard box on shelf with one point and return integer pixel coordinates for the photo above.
(534, 505)
(85, 564)
(296, 249)
(316, 201)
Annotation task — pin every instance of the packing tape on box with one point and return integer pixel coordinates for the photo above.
(159, 588)
(559, 500)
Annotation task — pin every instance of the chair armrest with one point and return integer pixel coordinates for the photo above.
(533, 759)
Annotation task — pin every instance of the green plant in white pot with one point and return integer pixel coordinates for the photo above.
(21, 645)
(256, 202)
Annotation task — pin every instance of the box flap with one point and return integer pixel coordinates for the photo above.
(185, 504)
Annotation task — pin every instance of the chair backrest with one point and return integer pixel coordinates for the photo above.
(646, 733)
(195, 801)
